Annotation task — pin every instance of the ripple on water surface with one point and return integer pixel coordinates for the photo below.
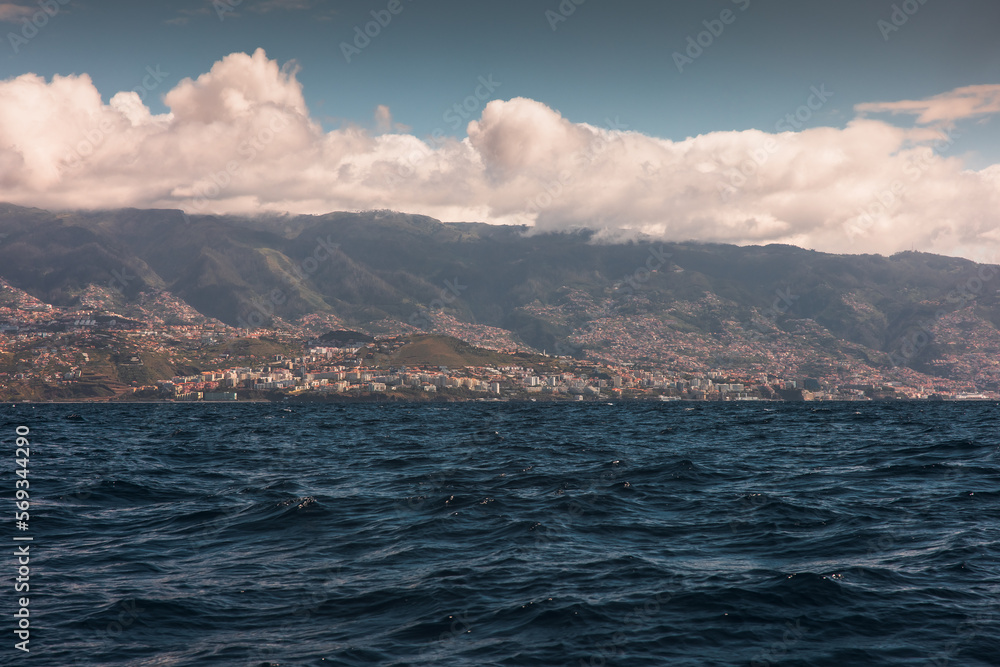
(515, 534)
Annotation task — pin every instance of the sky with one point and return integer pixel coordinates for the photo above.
(858, 126)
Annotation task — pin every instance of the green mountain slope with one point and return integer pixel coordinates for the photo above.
(550, 290)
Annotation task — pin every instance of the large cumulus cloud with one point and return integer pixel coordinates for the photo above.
(240, 139)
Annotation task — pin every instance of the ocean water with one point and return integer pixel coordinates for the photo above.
(509, 534)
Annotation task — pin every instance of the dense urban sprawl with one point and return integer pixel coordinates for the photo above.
(163, 349)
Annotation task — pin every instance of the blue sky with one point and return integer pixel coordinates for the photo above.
(606, 59)
(559, 70)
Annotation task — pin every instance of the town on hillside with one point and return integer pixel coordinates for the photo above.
(48, 353)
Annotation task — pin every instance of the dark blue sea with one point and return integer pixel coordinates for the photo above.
(507, 534)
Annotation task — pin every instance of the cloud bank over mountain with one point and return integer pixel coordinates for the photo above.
(240, 139)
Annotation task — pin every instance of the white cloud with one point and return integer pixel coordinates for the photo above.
(384, 122)
(958, 104)
(240, 139)
(15, 13)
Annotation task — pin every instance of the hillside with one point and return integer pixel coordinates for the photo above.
(434, 350)
(564, 293)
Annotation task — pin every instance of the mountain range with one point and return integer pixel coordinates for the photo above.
(571, 293)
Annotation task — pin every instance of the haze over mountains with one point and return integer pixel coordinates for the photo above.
(562, 292)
